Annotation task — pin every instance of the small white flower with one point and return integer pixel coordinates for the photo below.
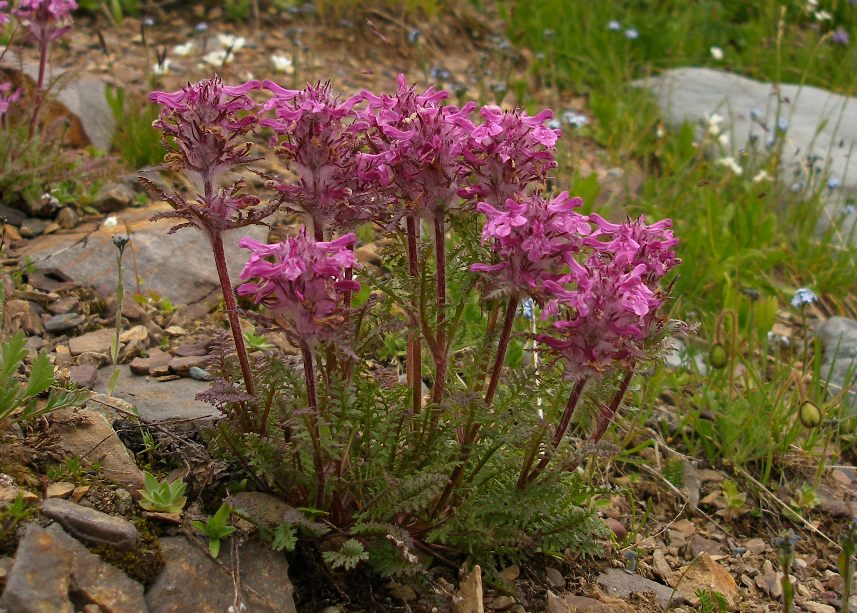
(803, 296)
(660, 132)
(614, 26)
(183, 50)
(714, 120)
(235, 43)
(161, 68)
(283, 63)
(822, 16)
(716, 53)
(632, 34)
(811, 5)
(762, 175)
(111, 222)
(723, 139)
(577, 120)
(730, 163)
(217, 58)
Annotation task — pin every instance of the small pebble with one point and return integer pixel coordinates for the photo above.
(199, 374)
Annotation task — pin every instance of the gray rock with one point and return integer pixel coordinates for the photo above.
(83, 375)
(143, 366)
(88, 434)
(620, 583)
(265, 585)
(40, 578)
(182, 366)
(67, 218)
(160, 400)
(63, 322)
(22, 315)
(11, 216)
(66, 304)
(98, 341)
(91, 525)
(818, 122)
(114, 197)
(33, 227)
(838, 335)
(261, 508)
(178, 267)
(199, 374)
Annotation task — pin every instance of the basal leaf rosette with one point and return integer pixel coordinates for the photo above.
(303, 282)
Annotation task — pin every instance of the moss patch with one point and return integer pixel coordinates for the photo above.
(144, 562)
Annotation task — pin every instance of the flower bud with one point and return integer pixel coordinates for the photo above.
(718, 356)
(809, 415)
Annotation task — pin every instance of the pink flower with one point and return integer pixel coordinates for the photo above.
(604, 308)
(416, 146)
(531, 238)
(302, 282)
(7, 99)
(46, 20)
(206, 123)
(507, 152)
(4, 16)
(322, 148)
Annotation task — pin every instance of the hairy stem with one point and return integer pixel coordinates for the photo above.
(606, 417)
(442, 357)
(40, 85)
(312, 423)
(414, 358)
(232, 310)
(502, 345)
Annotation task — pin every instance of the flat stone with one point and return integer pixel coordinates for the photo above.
(67, 218)
(59, 489)
(700, 544)
(262, 508)
(159, 401)
(98, 341)
(12, 216)
(33, 227)
(113, 197)
(703, 573)
(9, 493)
(501, 603)
(63, 322)
(199, 374)
(619, 583)
(91, 525)
(187, 351)
(84, 375)
(554, 577)
(88, 434)
(182, 366)
(143, 366)
(135, 333)
(469, 598)
(569, 603)
(40, 578)
(22, 315)
(265, 585)
(94, 358)
(172, 265)
(66, 304)
(838, 335)
(175, 331)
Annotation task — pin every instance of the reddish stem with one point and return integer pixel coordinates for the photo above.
(312, 421)
(441, 358)
(607, 416)
(502, 345)
(232, 310)
(40, 84)
(415, 378)
(570, 406)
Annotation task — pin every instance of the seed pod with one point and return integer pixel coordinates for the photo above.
(809, 415)
(718, 356)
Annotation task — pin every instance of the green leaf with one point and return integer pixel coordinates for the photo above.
(214, 547)
(285, 538)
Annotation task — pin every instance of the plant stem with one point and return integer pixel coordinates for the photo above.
(231, 310)
(312, 423)
(40, 85)
(414, 358)
(565, 421)
(442, 356)
(607, 416)
(502, 345)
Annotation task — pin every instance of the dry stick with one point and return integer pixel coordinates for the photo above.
(312, 423)
(414, 364)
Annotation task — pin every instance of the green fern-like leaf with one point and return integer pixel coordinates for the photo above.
(349, 555)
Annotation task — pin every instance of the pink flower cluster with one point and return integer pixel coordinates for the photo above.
(45, 20)
(416, 146)
(322, 148)
(302, 281)
(507, 152)
(6, 98)
(207, 123)
(4, 16)
(532, 238)
(604, 308)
